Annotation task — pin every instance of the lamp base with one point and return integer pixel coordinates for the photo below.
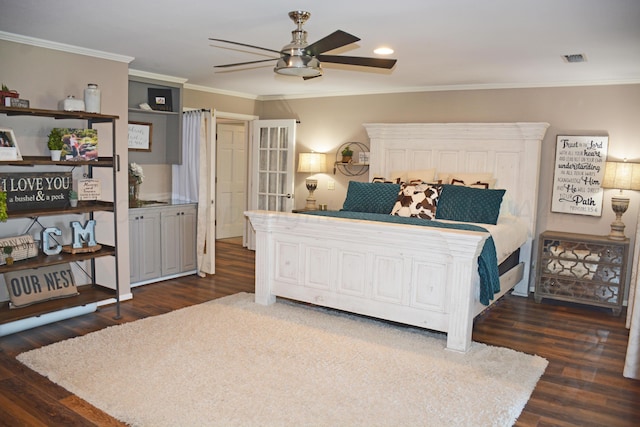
(617, 231)
(619, 204)
(311, 184)
(311, 204)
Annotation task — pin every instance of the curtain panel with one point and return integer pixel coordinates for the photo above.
(191, 180)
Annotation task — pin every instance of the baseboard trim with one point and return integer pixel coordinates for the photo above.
(44, 319)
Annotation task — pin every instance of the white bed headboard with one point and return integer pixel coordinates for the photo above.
(510, 151)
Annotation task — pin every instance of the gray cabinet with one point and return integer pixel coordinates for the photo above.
(162, 242)
(144, 245)
(166, 126)
(178, 226)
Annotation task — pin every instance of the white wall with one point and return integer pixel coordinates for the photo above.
(325, 123)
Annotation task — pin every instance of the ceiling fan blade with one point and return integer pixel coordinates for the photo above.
(246, 45)
(357, 60)
(245, 63)
(333, 41)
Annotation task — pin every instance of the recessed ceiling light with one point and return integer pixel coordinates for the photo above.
(576, 57)
(383, 51)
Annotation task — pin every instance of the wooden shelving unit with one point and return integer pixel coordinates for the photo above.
(83, 207)
(55, 114)
(90, 293)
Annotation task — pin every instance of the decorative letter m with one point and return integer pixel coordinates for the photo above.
(84, 234)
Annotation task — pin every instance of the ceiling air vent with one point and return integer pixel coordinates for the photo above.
(576, 57)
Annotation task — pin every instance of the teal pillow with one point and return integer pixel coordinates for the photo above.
(372, 197)
(460, 203)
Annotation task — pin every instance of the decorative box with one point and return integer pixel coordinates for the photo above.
(70, 103)
(23, 247)
(16, 102)
(7, 94)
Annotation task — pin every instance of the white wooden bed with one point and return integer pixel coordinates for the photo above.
(429, 280)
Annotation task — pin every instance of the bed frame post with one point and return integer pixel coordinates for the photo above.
(264, 260)
(463, 270)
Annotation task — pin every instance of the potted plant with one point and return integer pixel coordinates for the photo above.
(347, 152)
(8, 250)
(4, 215)
(55, 143)
(73, 198)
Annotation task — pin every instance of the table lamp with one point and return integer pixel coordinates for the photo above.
(621, 176)
(312, 163)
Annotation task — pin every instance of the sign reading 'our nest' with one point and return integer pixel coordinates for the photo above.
(44, 190)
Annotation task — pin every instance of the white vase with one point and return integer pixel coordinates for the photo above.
(55, 155)
(92, 98)
(73, 202)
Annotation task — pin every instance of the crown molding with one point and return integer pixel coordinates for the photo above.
(446, 88)
(155, 76)
(17, 38)
(221, 91)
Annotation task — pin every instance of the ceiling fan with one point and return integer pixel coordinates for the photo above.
(299, 58)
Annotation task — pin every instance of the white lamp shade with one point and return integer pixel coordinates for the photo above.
(622, 176)
(312, 162)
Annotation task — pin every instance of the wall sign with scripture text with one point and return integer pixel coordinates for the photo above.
(578, 174)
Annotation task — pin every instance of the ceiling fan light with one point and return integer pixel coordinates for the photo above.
(300, 66)
(383, 51)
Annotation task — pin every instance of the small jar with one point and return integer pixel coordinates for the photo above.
(92, 98)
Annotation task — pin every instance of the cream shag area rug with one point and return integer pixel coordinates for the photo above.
(233, 362)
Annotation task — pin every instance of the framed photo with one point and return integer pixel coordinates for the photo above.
(9, 146)
(140, 134)
(79, 144)
(578, 174)
(363, 157)
(160, 99)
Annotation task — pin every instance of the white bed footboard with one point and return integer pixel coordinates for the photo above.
(422, 276)
(414, 275)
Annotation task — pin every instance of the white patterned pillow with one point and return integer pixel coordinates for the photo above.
(423, 175)
(417, 200)
(482, 185)
(468, 179)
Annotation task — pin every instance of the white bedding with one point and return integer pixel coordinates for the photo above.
(508, 234)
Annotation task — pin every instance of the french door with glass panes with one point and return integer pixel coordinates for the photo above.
(272, 164)
(275, 153)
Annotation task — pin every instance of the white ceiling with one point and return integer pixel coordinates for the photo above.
(439, 44)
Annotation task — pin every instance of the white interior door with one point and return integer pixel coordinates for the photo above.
(272, 168)
(231, 179)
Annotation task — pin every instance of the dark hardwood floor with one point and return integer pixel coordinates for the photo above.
(582, 386)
